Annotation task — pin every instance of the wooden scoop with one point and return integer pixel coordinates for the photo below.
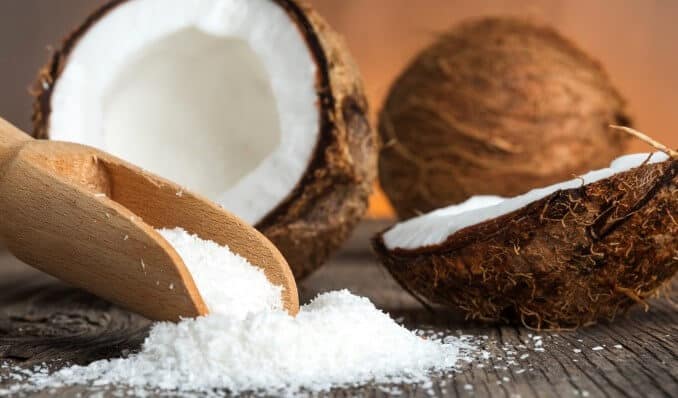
(89, 219)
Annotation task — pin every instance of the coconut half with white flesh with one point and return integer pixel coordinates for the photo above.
(255, 104)
(557, 257)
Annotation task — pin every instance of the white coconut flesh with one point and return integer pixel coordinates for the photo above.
(435, 227)
(216, 95)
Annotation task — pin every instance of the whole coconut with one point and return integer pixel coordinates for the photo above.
(495, 106)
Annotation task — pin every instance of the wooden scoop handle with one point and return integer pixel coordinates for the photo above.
(10, 138)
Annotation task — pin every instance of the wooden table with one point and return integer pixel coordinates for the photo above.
(43, 320)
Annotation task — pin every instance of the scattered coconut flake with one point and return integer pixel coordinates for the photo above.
(434, 227)
(597, 348)
(249, 343)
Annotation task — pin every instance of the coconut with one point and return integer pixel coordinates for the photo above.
(255, 104)
(495, 106)
(558, 257)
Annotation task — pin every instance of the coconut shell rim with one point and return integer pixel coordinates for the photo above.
(488, 228)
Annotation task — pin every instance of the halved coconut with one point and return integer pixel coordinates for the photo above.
(253, 103)
(561, 256)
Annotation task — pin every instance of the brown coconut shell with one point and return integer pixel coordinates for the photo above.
(568, 260)
(495, 106)
(319, 214)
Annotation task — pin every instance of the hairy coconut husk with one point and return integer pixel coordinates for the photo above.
(332, 196)
(565, 261)
(495, 106)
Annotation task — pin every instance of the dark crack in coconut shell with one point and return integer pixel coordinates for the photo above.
(332, 196)
(496, 106)
(565, 261)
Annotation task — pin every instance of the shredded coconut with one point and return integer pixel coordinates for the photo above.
(228, 283)
(248, 343)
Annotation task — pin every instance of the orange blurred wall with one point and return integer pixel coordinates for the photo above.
(635, 40)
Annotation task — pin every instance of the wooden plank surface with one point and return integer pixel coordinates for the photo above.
(43, 320)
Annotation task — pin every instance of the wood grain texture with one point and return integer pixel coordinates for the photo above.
(44, 320)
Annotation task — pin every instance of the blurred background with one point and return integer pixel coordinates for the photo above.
(635, 40)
